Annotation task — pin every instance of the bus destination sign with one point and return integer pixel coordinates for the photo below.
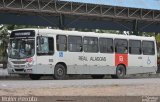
(26, 33)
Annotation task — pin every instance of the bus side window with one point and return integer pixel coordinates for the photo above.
(121, 46)
(90, 44)
(148, 47)
(61, 42)
(106, 45)
(135, 47)
(45, 46)
(75, 43)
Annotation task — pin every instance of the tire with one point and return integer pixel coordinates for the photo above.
(97, 76)
(34, 76)
(60, 72)
(4, 65)
(120, 72)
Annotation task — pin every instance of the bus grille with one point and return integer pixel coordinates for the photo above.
(19, 69)
(19, 66)
(19, 62)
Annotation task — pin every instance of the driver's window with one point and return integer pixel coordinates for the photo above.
(45, 45)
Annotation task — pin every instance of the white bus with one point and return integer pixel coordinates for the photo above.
(38, 52)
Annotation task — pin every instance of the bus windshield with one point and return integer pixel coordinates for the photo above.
(21, 48)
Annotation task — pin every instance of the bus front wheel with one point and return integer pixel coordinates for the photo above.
(120, 72)
(60, 72)
(34, 76)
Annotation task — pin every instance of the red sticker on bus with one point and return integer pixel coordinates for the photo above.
(29, 59)
(121, 59)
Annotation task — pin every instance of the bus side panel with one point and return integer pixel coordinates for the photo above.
(74, 61)
(134, 64)
(143, 63)
(121, 59)
(105, 66)
(99, 63)
(89, 63)
(149, 63)
(44, 65)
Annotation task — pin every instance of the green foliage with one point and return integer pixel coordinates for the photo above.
(85, 30)
(108, 31)
(158, 38)
(101, 31)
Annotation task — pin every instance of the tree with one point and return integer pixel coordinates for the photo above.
(3, 45)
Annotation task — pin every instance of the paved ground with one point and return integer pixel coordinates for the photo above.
(5, 84)
(89, 87)
(134, 85)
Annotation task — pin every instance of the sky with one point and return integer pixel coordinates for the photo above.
(145, 4)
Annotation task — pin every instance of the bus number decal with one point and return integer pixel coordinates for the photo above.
(121, 59)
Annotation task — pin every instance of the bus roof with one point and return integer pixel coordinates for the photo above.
(93, 34)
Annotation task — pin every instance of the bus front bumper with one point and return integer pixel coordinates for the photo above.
(29, 70)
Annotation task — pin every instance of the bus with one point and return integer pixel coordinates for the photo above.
(38, 52)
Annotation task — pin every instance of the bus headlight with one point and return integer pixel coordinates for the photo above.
(30, 64)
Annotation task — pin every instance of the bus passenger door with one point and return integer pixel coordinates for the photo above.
(135, 60)
(45, 51)
(149, 56)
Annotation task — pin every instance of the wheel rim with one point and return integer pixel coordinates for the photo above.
(60, 71)
(120, 72)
